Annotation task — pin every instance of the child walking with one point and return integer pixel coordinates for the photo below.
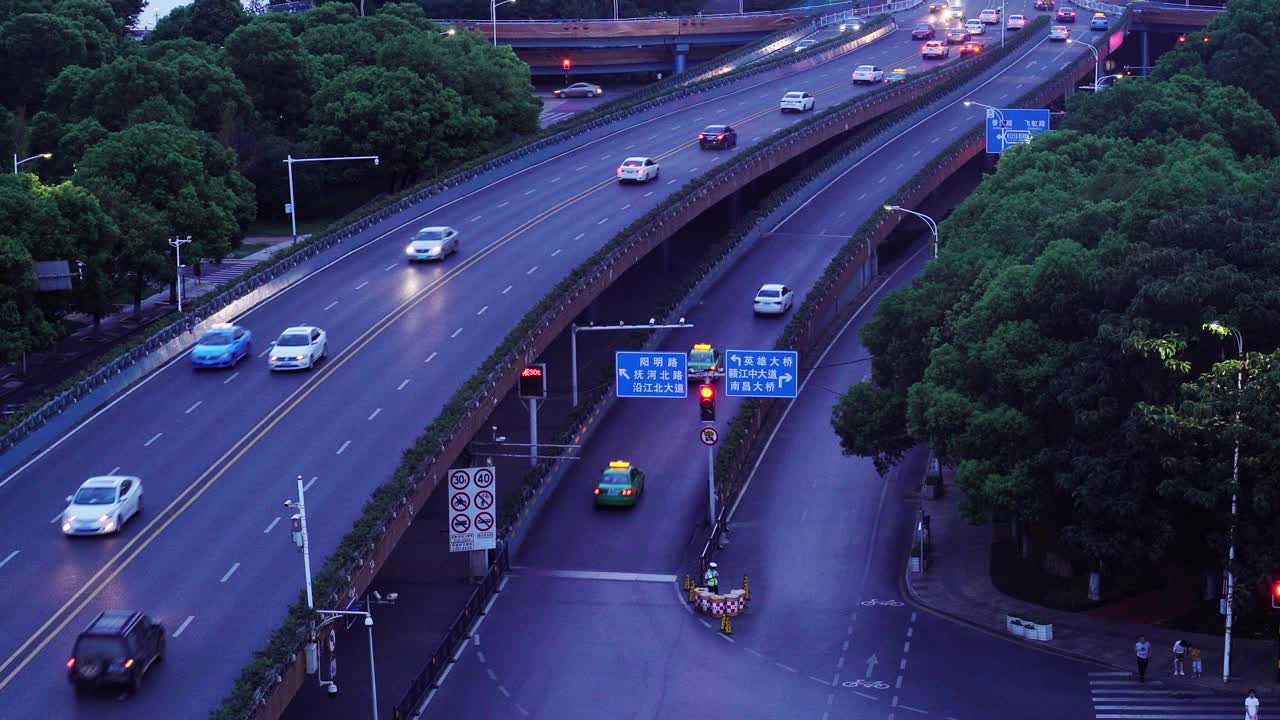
(1197, 667)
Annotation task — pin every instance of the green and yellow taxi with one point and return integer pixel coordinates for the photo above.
(704, 362)
(620, 485)
(897, 75)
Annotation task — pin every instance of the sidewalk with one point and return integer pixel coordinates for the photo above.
(79, 350)
(957, 583)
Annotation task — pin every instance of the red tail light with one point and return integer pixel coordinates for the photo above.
(596, 491)
(701, 136)
(713, 368)
(619, 171)
(71, 663)
(627, 492)
(719, 137)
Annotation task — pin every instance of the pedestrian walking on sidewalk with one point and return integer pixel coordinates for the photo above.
(1197, 667)
(1179, 656)
(1142, 649)
(1251, 706)
(712, 578)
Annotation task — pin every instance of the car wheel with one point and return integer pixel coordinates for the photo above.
(135, 683)
(591, 93)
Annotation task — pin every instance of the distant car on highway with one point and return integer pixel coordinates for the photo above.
(1099, 22)
(796, 102)
(846, 27)
(935, 49)
(970, 48)
(1066, 15)
(897, 75)
(975, 26)
(102, 505)
(990, 16)
(638, 169)
(432, 243)
(299, 348)
(957, 35)
(936, 7)
(223, 346)
(704, 362)
(1016, 22)
(717, 136)
(804, 45)
(957, 12)
(773, 299)
(923, 31)
(579, 90)
(868, 74)
(116, 650)
(1059, 33)
(1045, 4)
(620, 485)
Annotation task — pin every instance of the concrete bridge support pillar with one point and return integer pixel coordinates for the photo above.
(1146, 52)
(681, 51)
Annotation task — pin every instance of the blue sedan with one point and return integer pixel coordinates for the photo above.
(223, 346)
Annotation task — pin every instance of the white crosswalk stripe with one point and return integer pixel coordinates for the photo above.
(215, 274)
(1119, 696)
(551, 118)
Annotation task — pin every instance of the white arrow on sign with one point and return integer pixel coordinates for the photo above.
(622, 373)
(871, 664)
(786, 377)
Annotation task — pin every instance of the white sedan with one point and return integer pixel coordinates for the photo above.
(797, 101)
(773, 299)
(1016, 22)
(432, 243)
(1060, 33)
(299, 348)
(102, 505)
(638, 169)
(868, 74)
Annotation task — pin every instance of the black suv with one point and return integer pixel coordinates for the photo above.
(717, 136)
(116, 649)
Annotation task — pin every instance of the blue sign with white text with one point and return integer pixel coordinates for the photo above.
(761, 373)
(651, 374)
(1013, 126)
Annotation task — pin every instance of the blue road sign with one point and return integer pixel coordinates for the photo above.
(1013, 126)
(651, 374)
(761, 373)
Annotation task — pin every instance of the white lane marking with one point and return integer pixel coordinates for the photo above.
(479, 655)
(272, 525)
(865, 695)
(555, 179)
(344, 447)
(184, 625)
(757, 653)
(624, 207)
(530, 192)
(230, 572)
(840, 663)
(786, 667)
(916, 153)
(915, 710)
(648, 193)
(456, 333)
(504, 692)
(531, 270)
(652, 137)
(330, 305)
(603, 220)
(193, 407)
(361, 285)
(522, 710)
(584, 167)
(9, 557)
(693, 170)
(148, 443)
(606, 157)
(593, 575)
(912, 630)
(707, 623)
(886, 177)
(233, 377)
(392, 266)
(863, 195)
(505, 203)
(492, 675)
(114, 470)
(476, 218)
(902, 664)
(557, 252)
(482, 310)
(580, 236)
(402, 384)
(954, 128)
(900, 165)
(508, 289)
(818, 680)
(430, 357)
(264, 352)
(906, 647)
(671, 182)
(375, 413)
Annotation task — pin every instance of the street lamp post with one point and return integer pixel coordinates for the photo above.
(177, 244)
(573, 342)
(17, 162)
(493, 17)
(999, 117)
(1097, 60)
(1221, 329)
(933, 226)
(292, 208)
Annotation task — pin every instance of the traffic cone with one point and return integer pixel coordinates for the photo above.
(746, 588)
(688, 583)
(693, 594)
(725, 626)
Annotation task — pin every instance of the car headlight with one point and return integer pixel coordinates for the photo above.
(225, 356)
(66, 526)
(409, 250)
(104, 518)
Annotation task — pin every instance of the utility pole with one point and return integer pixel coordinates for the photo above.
(177, 244)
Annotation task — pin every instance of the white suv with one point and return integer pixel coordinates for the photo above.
(868, 74)
(797, 101)
(975, 26)
(935, 49)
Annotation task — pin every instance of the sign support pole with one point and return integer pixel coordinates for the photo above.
(711, 485)
(533, 432)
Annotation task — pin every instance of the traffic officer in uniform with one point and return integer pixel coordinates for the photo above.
(712, 578)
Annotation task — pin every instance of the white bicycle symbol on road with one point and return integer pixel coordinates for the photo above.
(889, 603)
(873, 684)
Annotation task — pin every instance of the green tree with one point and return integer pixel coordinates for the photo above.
(126, 91)
(34, 48)
(209, 21)
(220, 102)
(156, 181)
(103, 32)
(276, 71)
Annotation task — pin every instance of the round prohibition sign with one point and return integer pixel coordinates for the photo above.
(484, 477)
(484, 500)
(460, 523)
(709, 436)
(873, 684)
(459, 480)
(484, 521)
(460, 502)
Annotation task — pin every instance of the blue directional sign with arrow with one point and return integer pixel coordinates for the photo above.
(762, 373)
(1013, 126)
(651, 374)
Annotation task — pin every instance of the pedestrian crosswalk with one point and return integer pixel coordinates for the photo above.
(547, 119)
(214, 274)
(1119, 696)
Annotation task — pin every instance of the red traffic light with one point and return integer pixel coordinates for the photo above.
(1205, 38)
(566, 63)
(707, 392)
(1182, 38)
(1275, 593)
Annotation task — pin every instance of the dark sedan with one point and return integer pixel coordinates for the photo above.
(1066, 15)
(1044, 4)
(923, 31)
(717, 136)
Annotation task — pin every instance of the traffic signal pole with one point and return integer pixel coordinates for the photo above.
(711, 485)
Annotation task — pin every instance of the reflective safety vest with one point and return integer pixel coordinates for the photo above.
(713, 577)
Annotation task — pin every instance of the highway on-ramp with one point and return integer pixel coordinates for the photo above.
(218, 451)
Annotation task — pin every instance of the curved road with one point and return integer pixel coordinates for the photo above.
(218, 451)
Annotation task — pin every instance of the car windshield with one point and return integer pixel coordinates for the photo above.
(95, 496)
(632, 163)
(217, 337)
(701, 356)
(769, 293)
(713, 130)
(429, 242)
(436, 234)
(616, 477)
(925, 28)
(294, 340)
(865, 68)
(792, 96)
(91, 646)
